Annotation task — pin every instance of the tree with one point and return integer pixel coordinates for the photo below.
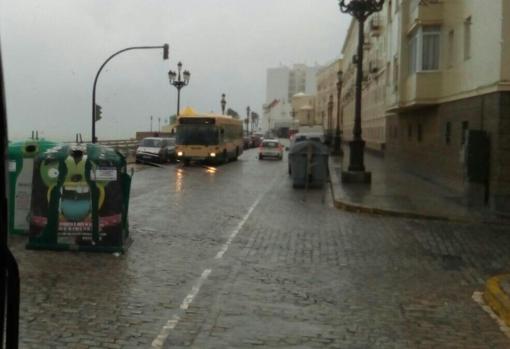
(254, 120)
(233, 113)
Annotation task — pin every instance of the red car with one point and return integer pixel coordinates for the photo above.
(256, 140)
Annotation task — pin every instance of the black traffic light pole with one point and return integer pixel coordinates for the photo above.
(9, 273)
(165, 48)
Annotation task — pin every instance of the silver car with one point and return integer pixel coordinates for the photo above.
(271, 148)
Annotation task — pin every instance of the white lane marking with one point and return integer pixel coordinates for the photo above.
(236, 231)
(478, 298)
(194, 290)
(172, 323)
(165, 331)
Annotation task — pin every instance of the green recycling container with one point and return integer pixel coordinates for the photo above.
(80, 199)
(21, 155)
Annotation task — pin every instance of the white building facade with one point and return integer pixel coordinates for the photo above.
(436, 87)
(282, 84)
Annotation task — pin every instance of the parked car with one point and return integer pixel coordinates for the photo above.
(256, 140)
(271, 148)
(247, 143)
(156, 149)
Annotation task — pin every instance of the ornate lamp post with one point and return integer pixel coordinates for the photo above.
(361, 10)
(337, 147)
(223, 104)
(175, 80)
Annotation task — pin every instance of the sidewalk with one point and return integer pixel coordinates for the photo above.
(394, 191)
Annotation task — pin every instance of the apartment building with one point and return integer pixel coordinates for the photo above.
(277, 114)
(304, 111)
(442, 72)
(327, 78)
(282, 84)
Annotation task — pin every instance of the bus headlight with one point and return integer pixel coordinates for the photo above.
(212, 155)
(179, 153)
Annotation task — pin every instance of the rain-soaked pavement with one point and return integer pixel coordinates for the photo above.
(233, 257)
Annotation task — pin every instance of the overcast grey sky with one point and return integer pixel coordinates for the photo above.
(53, 48)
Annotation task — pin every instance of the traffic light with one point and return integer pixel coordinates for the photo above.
(165, 51)
(98, 112)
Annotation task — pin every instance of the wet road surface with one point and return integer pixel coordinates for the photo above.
(233, 257)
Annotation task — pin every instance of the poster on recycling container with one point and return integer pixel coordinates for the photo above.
(68, 187)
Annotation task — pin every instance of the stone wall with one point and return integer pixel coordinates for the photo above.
(500, 181)
(437, 156)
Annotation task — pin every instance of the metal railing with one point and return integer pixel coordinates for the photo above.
(126, 147)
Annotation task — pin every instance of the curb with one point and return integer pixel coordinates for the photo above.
(497, 299)
(359, 208)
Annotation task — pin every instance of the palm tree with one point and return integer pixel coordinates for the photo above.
(254, 120)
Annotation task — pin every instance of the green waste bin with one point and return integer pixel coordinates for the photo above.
(80, 199)
(21, 156)
(308, 164)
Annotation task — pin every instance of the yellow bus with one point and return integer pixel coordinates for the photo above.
(208, 137)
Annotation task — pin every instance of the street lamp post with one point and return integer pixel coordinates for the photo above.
(159, 124)
(151, 122)
(178, 82)
(248, 112)
(165, 48)
(223, 104)
(361, 10)
(293, 115)
(330, 120)
(337, 147)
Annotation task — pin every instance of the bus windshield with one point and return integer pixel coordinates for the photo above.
(197, 135)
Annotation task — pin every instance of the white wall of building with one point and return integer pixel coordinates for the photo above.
(280, 113)
(281, 84)
(277, 84)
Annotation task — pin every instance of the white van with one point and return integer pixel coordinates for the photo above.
(156, 149)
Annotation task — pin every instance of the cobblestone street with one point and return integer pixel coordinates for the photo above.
(233, 257)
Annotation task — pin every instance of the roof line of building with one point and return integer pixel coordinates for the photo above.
(349, 33)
